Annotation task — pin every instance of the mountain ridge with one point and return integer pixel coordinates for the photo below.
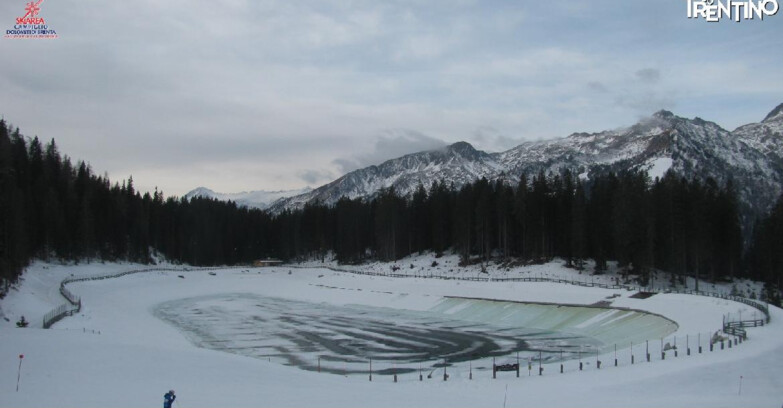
(260, 199)
(751, 156)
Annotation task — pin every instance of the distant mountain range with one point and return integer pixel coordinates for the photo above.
(252, 199)
(751, 155)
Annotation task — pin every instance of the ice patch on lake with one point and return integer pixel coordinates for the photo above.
(343, 339)
(584, 321)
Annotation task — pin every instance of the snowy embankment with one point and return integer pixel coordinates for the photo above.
(116, 352)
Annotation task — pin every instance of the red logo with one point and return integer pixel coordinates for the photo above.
(31, 25)
(32, 10)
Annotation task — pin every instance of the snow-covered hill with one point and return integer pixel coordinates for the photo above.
(695, 148)
(252, 199)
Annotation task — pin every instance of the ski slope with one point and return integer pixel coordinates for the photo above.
(120, 351)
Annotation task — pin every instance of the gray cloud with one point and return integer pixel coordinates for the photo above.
(595, 86)
(645, 103)
(490, 139)
(648, 75)
(315, 177)
(391, 144)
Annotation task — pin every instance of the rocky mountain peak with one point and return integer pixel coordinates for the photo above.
(663, 114)
(463, 149)
(775, 116)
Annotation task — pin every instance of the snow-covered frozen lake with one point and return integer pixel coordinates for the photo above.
(344, 339)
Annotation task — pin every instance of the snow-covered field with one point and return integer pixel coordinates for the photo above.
(253, 337)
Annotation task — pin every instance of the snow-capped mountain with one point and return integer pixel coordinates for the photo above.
(459, 163)
(252, 199)
(765, 137)
(752, 156)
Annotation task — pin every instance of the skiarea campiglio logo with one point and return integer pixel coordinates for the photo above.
(31, 25)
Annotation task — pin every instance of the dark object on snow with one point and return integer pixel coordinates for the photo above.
(642, 295)
(507, 367)
(22, 322)
(212, 273)
(181, 276)
(168, 399)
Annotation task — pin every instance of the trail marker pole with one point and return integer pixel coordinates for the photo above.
(445, 376)
(675, 346)
(19, 373)
(663, 353)
(370, 369)
(740, 387)
(561, 361)
(540, 368)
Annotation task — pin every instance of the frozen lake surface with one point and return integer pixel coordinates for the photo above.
(343, 339)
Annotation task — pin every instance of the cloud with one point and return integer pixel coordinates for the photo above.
(391, 144)
(490, 139)
(596, 86)
(645, 103)
(648, 75)
(315, 177)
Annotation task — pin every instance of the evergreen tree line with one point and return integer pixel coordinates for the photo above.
(671, 224)
(52, 208)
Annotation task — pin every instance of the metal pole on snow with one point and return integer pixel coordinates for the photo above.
(19, 373)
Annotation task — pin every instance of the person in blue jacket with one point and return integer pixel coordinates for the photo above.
(168, 399)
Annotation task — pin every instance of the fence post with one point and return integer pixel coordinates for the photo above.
(445, 376)
(540, 368)
(675, 346)
(615, 354)
(663, 353)
(561, 361)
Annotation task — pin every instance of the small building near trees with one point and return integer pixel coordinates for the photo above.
(267, 262)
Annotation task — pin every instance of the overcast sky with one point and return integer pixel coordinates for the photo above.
(266, 95)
